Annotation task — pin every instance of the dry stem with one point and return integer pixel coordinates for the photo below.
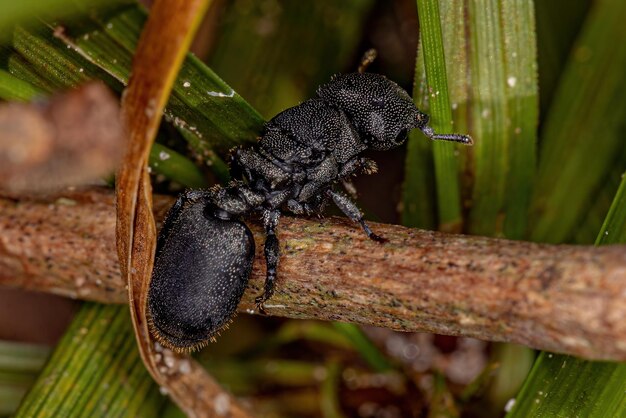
(569, 299)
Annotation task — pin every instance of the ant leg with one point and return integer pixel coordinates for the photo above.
(349, 187)
(272, 256)
(296, 207)
(353, 212)
(367, 59)
(253, 163)
(363, 165)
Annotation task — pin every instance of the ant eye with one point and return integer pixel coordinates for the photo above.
(401, 135)
(378, 103)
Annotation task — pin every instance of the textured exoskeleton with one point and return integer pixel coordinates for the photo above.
(205, 253)
(188, 300)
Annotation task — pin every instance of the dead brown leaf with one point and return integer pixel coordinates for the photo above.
(161, 49)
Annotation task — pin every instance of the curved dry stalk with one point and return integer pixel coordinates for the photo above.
(568, 299)
(160, 51)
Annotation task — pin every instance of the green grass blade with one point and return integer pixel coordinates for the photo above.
(419, 198)
(614, 227)
(504, 114)
(22, 357)
(210, 116)
(514, 363)
(489, 114)
(496, 66)
(280, 71)
(176, 167)
(587, 230)
(208, 111)
(20, 364)
(364, 346)
(94, 370)
(19, 68)
(329, 402)
(244, 377)
(445, 162)
(582, 137)
(44, 55)
(13, 88)
(163, 160)
(520, 59)
(558, 25)
(563, 386)
(418, 190)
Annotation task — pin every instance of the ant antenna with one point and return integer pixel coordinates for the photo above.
(367, 59)
(463, 139)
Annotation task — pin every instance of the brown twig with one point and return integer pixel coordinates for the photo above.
(569, 299)
(160, 51)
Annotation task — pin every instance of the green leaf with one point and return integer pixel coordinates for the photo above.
(330, 391)
(92, 369)
(364, 346)
(564, 386)
(176, 167)
(614, 227)
(418, 190)
(290, 47)
(520, 69)
(22, 357)
(558, 25)
(419, 199)
(12, 88)
(581, 139)
(587, 231)
(445, 163)
(504, 114)
(19, 365)
(496, 67)
(209, 113)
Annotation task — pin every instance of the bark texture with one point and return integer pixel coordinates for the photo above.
(568, 299)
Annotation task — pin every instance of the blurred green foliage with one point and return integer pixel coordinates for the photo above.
(95, 371)
(276, 52)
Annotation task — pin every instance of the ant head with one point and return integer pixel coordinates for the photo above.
(382, 112)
